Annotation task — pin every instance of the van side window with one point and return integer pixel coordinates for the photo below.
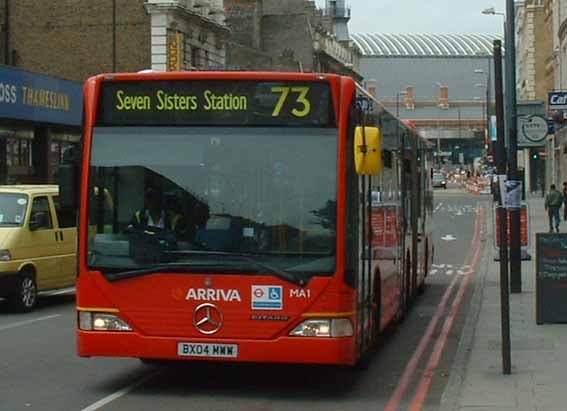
(40, 205)
(67, 217)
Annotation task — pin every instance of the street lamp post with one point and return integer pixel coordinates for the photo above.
(514, 209)
(484, 113)
(513, 176)
(437, 84)
(487, 106)
(492, 12)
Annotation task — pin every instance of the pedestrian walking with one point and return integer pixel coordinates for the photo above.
(553, 202)
(565, 201)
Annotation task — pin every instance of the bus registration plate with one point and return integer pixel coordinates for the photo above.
(189, 349)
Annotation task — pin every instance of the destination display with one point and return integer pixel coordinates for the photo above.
(215, 102)
(551, 278)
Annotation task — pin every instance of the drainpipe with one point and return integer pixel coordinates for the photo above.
(7, 32)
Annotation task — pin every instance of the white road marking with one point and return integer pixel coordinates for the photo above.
(22, 323)
(101, 403)
(450, 269)
(69, 290)
(438, 207)
(448, 237)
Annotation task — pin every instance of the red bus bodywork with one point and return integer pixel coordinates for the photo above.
(160, 307)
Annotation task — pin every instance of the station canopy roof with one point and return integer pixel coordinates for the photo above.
(424, 45)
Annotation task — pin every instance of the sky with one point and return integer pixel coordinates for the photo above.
(424, 16)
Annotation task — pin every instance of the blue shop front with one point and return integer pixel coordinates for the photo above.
(40, 117)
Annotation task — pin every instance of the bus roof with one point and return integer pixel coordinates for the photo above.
(213, 75)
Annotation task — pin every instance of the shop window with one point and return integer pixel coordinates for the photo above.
(18, 152)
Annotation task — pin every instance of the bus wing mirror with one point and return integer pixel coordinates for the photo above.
(368, 150)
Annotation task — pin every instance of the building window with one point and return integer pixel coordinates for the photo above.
(195, 62)
(18, 152)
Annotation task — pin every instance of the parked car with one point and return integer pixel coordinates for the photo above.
(439, 181)
(37, 244)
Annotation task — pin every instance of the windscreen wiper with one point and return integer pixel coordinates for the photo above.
(163, 268)
(152, 269)
(270, 269)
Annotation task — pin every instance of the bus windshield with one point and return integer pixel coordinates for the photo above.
(213, 199)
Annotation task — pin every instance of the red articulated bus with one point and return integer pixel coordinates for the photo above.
(241, 216)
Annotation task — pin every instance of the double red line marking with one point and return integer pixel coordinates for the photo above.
(425, 382)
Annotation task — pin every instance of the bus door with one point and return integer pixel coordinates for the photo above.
(359, 237)
(365, 295)
(414, 211)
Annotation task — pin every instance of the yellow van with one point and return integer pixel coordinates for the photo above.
(37, 244)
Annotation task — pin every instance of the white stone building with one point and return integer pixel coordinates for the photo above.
(187, 34)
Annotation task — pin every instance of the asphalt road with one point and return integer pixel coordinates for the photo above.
(40, 371)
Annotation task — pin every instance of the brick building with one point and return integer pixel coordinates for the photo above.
(532, 50)
(75, 39)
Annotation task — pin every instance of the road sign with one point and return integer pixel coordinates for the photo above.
(531, 113)
(534, 128)
(557, 100)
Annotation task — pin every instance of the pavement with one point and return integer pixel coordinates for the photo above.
(539, 352)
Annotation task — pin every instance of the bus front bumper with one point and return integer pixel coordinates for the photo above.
(300, 350)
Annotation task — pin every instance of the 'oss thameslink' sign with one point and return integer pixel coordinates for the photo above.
(34, 97)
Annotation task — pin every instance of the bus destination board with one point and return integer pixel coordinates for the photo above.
(215, 102)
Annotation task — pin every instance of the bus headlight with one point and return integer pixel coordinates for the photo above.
(5, 255)
(89, 321)
(324, 327)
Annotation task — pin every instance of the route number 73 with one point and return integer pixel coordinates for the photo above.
(301, 99)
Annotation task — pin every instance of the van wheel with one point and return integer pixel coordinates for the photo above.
(25, 296)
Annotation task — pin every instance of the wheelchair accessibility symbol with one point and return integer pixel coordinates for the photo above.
(267, 297)
(275, 293)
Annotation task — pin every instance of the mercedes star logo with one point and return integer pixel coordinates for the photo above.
(207, 318)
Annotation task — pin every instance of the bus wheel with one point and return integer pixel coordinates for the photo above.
(421, 287)
(404, 304)
(24, 298)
